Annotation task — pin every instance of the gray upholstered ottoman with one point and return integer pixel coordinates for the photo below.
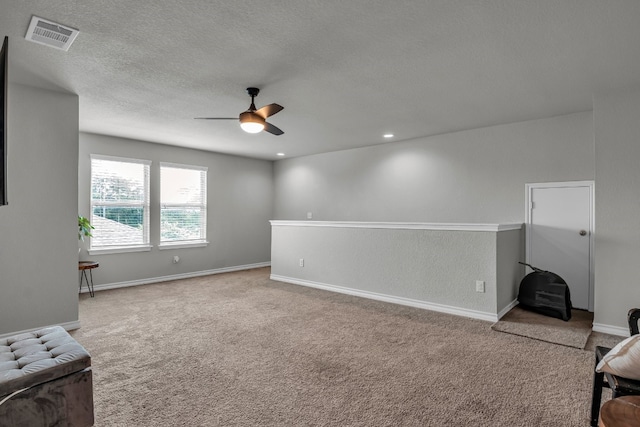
(45, 380)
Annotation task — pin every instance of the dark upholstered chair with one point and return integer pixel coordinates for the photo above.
(619, 386)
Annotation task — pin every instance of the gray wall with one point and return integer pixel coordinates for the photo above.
(240, 205)
(38, 229)
(617, 244)
(475, 176)
(510, 248)
(432, 268)
(479, 176)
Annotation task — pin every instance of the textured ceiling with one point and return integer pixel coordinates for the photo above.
(345, 71)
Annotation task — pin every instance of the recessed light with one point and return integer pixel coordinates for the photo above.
(388, 135)
(280, 154)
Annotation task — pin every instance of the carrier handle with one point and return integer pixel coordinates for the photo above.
(536, 269)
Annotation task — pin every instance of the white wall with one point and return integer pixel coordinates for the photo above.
(475, 176)
(617, 244)
(38, 229)
(240, 205)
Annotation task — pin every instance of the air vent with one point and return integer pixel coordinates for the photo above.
(51, 34)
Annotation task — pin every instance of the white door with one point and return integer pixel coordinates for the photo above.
(559, 235)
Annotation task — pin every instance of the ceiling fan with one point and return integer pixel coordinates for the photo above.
(253, 120)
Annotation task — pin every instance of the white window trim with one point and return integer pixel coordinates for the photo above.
(120, 159)
(120, 250)
(181, 166)
(183, 245)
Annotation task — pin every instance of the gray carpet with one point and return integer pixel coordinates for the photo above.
(572, 333)
(238, 349)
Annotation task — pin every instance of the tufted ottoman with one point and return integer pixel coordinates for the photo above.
(45, 380)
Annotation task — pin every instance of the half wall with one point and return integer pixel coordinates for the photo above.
(431, 266)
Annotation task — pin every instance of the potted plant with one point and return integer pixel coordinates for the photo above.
(84, 228)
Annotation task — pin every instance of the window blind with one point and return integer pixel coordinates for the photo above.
(183, 203)
(119, 202)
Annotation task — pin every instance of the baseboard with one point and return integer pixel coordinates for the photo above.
(611, 330)
(69, 326)
(160, 279)
(508, 308)
(481, 315)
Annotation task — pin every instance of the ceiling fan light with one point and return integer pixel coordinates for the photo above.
(251, 122)
(252, 127)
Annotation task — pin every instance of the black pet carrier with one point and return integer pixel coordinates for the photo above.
(546, 293)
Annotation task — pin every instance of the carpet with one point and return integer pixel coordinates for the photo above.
(239, 349)
(573, 333)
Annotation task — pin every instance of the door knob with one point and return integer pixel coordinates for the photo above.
(583, 232)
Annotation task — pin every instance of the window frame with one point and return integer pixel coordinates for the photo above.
(145, 246)
(192, 243)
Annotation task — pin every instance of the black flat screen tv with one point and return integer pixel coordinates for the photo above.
(3, 120)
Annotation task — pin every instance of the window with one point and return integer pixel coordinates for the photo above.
(119, 204)
(183, 205)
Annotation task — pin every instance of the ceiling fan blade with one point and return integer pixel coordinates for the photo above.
(216, 118)
(268, 127)
(269, 110)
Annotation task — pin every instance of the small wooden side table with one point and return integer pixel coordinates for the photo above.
(83, 266)
(620, 412)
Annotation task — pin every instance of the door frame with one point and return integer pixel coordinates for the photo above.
(592, 223)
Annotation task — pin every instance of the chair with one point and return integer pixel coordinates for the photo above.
(619, 386)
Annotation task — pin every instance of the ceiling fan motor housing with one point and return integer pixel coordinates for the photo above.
(252, 122)
(251, 116)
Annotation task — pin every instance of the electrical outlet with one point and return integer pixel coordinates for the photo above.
(479, 285)
(301, 263)
(176, 259)
(309, 215)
